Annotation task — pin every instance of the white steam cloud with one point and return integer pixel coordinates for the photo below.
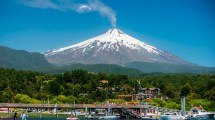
(62, 5)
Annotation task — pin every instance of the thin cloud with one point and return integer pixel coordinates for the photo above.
(90, 6)
(84, 8)
(39, 4)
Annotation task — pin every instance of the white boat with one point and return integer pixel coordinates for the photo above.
(148, 117)
(200, 113)
(109, 117)
(151, 115)
(72, 118)
(109, 114)
(173, 116)
(95, 115)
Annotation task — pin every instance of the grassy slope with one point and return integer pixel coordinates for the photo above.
(22, 60)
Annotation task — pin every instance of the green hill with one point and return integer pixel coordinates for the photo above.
(149, 67)
(105, 68)
(22, 60)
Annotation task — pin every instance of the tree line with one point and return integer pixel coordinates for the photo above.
(81, 86)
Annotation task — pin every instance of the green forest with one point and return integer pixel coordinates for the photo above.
(81, 86)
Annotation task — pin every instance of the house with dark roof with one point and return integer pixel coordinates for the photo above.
(144, 93)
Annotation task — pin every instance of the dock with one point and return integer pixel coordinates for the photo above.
(125, 110)
(74, 106)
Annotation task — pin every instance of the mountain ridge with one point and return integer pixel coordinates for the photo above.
(22, 60)
(149, 67)
(111, 47)
(97, 68)
(34, 61)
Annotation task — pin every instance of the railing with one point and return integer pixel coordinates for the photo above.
(20, 105)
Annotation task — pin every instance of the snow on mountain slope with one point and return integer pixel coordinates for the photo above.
(112, 47)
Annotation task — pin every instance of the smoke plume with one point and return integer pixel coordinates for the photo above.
(74, 5)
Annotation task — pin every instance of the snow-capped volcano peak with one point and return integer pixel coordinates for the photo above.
(114, 31)
(112, 39)
(117, 36)
(111, 47)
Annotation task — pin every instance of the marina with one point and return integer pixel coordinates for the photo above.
(101, 111)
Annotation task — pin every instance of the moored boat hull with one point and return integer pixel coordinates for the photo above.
(72, 118)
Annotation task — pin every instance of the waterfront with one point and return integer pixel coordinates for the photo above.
(35, 116)
(97, 119)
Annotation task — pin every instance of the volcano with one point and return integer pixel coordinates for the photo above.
(111, 47)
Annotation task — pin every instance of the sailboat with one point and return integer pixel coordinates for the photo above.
(73, 117)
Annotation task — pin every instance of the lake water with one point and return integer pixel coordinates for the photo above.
(96, 119)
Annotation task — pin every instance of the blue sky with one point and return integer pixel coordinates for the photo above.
(185, 28)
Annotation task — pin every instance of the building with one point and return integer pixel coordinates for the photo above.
(144, 93)
(104, 81)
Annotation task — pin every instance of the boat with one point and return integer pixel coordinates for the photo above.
(151, 115)
(95, 114)
(200, 113)
(109, 117)
(73, 114)
(173, 116)
(72, 118)
(109, 114)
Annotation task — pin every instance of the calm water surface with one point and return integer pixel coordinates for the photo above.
(100, 119)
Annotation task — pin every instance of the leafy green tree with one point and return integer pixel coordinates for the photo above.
(54, 87)
(172, 105)
(170, 90)
(77, 89)
(82, 100)
(37, 87)
(200, 102)
(71, 99)
(211, 94)
(192, 96)
(4, 98)
(62, 98)
(19, 98)
(185, 90)
(34, 101)
(87, 88)
(69, 89)
(211, 84)
(59, 99)
(160, 103)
